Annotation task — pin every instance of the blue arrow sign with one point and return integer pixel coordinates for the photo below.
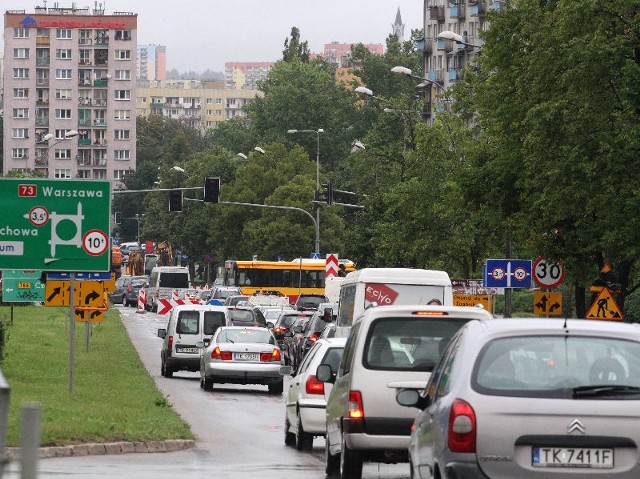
(94, 276)
(508, 273)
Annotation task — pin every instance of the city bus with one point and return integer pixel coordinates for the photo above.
(288, 278)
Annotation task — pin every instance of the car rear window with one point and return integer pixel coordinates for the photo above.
(332, 357)
(188, 322)
(245, 336)
(408, 344)
(288, 319)
(241, 315)
(558, 367)
(174, 280)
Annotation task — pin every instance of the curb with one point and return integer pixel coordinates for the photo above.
(101, 449)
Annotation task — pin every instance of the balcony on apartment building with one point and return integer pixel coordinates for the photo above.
(436, 75)
(455, 74)
(477, 8)
(83, 160)
(43, 40)
(100, 161)
(100, 82)
(457, 11)
(42, 121)
(437, 13)
(41, 159)
(43, 61)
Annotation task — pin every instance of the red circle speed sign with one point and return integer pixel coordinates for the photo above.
(548, 274)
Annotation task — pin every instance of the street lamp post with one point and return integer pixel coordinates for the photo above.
(264, 153)
(456, 37)
(45, 140)
(317, 133)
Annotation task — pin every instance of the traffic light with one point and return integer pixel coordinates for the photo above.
(175, 200)
(117, 217)
(212, 189)
(329, 195)
(316, 200)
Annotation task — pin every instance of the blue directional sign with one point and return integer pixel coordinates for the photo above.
(93, 276)
(508, 273)
(315, 256)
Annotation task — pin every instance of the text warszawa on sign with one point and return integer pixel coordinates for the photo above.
(55, 225)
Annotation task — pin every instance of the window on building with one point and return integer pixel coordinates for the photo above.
(122, 54)
(63, 53)
(61, 134)
(121, 134)
(123, 94)
(84, 37)
(20, 93)
(122, 114)
(100, 174)
(20, 153)
(123, 34)
(62, 173)
(85, 174)
(123, 75)
(122, 155)
(20, 33)
(119, 174)
(22, 73)
(63, 113)
(62, 154)
(63, 33)
(20, 53)
(218, 101)
(63, 93)
(19, 133)
(21, 113)
(63, 74)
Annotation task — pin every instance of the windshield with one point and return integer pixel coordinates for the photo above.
(556, 366)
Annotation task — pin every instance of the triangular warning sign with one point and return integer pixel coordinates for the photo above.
(605, 307)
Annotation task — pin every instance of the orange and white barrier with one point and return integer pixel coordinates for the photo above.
(166, 305)
(142, 300)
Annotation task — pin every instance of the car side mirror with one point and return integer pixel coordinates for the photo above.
(285, 370)
(412, 398)
(162, 333)
(206, 342)
(325, 374)
(270, 325)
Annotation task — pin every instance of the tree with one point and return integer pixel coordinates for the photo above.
(295, 50)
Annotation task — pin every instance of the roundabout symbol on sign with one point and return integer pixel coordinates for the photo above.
(548, 274)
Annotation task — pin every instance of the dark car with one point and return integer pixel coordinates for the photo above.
(292, 340)
(133, 289)
(247, 316)
(310, 302)
(119, 294)
(307, 338)
(284, 323)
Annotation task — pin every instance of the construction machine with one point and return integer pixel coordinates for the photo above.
(135, 265)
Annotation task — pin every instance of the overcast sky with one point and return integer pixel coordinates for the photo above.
(204, 34)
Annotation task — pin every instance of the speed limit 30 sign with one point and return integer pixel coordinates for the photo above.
(548, 274)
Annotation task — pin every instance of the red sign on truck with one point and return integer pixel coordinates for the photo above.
(380, 293)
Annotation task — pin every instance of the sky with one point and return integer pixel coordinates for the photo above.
(204, 34)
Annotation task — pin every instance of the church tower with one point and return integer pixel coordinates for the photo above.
(397, 28)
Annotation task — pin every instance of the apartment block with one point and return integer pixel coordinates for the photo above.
(339, 54)
(69, 92)
(151, 62)
(200, 104)
(245, 75)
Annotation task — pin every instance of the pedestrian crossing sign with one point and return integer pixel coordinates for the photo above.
(605, 307)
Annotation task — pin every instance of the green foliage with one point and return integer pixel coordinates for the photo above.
(295, 50)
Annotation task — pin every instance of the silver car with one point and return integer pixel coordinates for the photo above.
(242, 355)
(531, 398)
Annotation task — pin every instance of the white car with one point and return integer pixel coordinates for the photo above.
(307, 397)
(242, 355)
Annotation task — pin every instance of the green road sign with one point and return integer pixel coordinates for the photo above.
(55, 225)
(20, 286)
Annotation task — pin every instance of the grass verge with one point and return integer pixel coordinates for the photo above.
(113, 397)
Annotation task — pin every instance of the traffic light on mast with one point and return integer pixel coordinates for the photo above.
(212, 189)
(175, 200)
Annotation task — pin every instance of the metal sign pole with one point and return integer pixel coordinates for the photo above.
(72, 328)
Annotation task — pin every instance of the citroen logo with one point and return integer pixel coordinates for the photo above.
(576, 426)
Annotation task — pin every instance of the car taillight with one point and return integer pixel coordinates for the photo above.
(280, 329)
(462, 427)
(356, 411)
(217, 353)
(314, 337)
(313, 386)
(170, 345)
(129, 289)
(272, 356)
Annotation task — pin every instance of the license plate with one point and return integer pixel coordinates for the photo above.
(188, 350)
(573, 457)
(246, 356)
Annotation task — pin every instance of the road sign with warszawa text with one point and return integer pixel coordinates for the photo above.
(55, 225)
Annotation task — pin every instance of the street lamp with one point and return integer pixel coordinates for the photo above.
(407, 72)
(45, 139)
(456, 37)
(317, 133)
(177, 168)
(264, 153)
(242, 155)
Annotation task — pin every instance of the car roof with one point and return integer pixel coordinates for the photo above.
(471, 312)
(526, 326)
(250, 328)
(200, 307)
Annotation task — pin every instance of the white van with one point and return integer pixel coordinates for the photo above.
(389, 287)
(163, 280)
(390, 348)
(189, 324)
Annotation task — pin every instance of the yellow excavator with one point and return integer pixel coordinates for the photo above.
(135, 265)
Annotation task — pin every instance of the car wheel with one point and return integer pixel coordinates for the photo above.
(289, 437)
(276, 388)
(167, 372)
(350, 462)
(332, 463)
(304, 440)
(207, 384)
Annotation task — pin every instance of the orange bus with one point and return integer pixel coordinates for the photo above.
(288, 278)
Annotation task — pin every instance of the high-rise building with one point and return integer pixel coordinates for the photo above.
(151, 62)
(245, 75)
(69, 92)
(339, 54)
